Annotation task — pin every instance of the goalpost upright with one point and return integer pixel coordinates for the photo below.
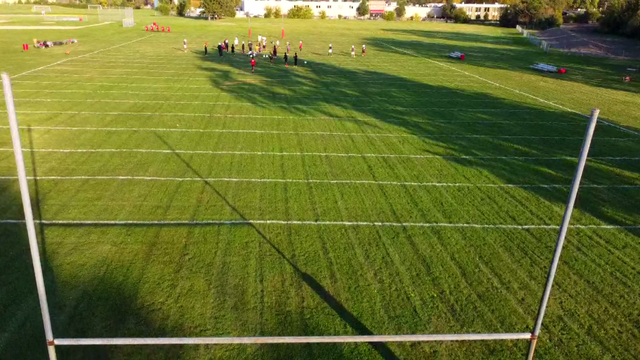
(52, 341)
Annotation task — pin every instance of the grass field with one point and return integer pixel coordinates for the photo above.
(399, 193)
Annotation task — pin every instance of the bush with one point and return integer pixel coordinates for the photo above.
(549, 22)
(460, 16)
(323, 14)
(416, 17)
(485, 17)
(339, 17)
(298, 12)
(268, 12)
(164, 9)
(389, 15)
(587, 17)
(182, 8)
(401, 9)
(478, 17)
(277, 12)
(570, 19)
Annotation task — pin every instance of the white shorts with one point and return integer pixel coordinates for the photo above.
(330, 51)
(185, 46)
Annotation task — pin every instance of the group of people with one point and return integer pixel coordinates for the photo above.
(353, 50)
(262, 46)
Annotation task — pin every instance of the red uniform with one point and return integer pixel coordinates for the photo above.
(253, 64)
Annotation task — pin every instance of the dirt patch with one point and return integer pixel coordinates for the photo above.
(583, 39)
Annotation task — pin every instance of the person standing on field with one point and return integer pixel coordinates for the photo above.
(220, 49)
(260, 39)
(295, 60)
(206, 49)
(233, 49)
(253, 63)
(288, 47)
(300, 46)
(235, 42)
(330, 50)
(185, 45)
(364, 49)
(286, 60)
(226, 44)
(243, 47)
(353, 51)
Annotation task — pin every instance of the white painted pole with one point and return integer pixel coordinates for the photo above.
(294, 339)
(582, 160)
(28, 215)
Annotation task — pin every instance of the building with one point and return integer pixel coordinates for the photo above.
(376, 7)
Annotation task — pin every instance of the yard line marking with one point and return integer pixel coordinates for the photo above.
(78, 57)
(510, 89)
(390, 107)
(206, 86)
(230, 85)
(247, 81)
(304, 222)
(319, 181)
(266, 153)
(320, 133)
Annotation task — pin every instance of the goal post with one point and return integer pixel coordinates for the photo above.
(94, 7)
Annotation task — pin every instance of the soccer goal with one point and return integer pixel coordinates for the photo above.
(94, 7)
(41, 8)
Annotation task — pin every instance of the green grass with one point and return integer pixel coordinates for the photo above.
(290, 124)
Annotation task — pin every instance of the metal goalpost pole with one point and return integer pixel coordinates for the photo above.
(575, 186)
(28, 215)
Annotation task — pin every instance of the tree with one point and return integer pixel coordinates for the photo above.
(447, 9)
(401, 9)
(219, 8)
(277, 12)
(622, 17)
(164, 9)
(416, 17)
(389, 15)
(182, 8)
(323, 14)
(363, 8)
(268, 12)
(460, 16)
(299, 12)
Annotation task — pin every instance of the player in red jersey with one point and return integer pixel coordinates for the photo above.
(253, 63)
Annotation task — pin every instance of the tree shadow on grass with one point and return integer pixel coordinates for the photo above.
(513, 52)
(475, 129)
(356, 325)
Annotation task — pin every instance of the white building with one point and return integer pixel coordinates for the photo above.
(348, 8)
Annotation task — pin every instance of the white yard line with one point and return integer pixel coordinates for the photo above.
(318, 181)
(267, 153)
(238, 103)
(49, 27)
(78, 57)
(242, 81)
(316, 133)
(303, 222)
(510, 89)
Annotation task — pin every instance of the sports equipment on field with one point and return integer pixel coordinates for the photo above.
(94, 7)
(548, 68)
(41, 8)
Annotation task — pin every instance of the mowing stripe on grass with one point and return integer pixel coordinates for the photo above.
(320, 133)
(319, 181)
(305, 222)
(511, 89)
(81, 56)
(267, 153)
